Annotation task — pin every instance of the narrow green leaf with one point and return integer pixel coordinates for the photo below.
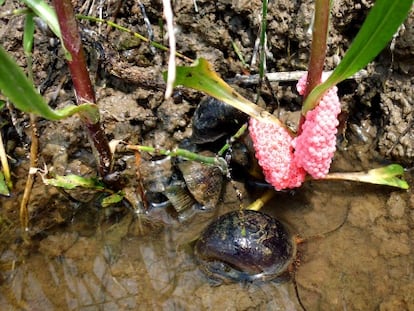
(201, 76)
(45, 12)
(112, 199)
(71, 181)
(239, 54)
(377, 30)
(28, 34)
(88, 110)
(4, 190)
(2, 2)
(19, 89)
(15, 85)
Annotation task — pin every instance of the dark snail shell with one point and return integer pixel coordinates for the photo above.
(214, 119)
(204, 182)
(245, 246)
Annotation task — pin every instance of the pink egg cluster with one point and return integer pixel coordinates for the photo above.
(316, 145)
(274, 152)
(285, 159)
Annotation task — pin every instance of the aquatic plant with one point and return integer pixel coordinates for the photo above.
(81, 81)
(20, 90)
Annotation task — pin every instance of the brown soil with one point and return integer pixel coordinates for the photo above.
(79, 256)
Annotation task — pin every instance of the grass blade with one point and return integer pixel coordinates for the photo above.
(72, 181)
(19, 89)
(28, 35)
(201, 76)
(16, 86)
(45, 12)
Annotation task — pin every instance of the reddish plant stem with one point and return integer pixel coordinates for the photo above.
(318, 50)
(81, 81)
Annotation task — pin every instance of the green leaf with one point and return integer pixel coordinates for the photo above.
(112, 199)
(19, 89)
(71, 181)
(28, 34)
(45, 12)
(4, 190)
(377, 30)
(15, 85)
(387, 175)
(201, 76)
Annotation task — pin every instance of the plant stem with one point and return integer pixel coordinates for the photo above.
(232, 139)
(168, 15)
(262, 53)
(262, 49)
(81, 80)
(5, 164)
(34, 147)
(318, 47)
(188, 155)
(260, 202)
(318, 50)
(28, 39)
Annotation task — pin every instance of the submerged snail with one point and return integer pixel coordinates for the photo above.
(245, 245)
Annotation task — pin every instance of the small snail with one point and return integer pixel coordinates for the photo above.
(214, 119)
(193, 186)
(204, 182)
(245, 245)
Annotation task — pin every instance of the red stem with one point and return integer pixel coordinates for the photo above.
(318, 50)
(81, 81)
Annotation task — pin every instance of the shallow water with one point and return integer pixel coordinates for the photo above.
(367, 264)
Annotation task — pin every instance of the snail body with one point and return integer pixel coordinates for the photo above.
(245, 245)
